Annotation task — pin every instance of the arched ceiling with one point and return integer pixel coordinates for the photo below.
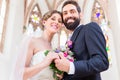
(45, 5)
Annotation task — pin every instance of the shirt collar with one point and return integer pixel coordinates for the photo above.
(70, 35)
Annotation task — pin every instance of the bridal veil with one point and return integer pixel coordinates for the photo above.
(18, 63)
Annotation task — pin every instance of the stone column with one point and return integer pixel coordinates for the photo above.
(13, 34)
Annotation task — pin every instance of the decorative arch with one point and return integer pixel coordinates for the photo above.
(33, 21)
(35, 17)
(27, 8)
(97, 12)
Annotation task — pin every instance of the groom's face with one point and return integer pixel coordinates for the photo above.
(71, 17)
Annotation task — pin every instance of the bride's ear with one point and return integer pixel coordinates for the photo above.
(43, 22)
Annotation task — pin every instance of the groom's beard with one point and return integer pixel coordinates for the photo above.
(72, 25)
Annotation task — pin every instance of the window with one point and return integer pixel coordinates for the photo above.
(34, 25)
(98, 16)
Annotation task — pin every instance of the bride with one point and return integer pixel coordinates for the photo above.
(36, 66)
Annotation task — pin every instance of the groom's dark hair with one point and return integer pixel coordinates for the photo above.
(73, 3)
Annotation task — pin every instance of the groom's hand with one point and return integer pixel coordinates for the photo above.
(62, 63)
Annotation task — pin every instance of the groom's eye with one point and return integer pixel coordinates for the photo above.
(72, 11)
(65, 13)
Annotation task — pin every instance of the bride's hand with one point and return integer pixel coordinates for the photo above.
(51, 56)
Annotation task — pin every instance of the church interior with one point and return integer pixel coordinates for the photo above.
(22, 17)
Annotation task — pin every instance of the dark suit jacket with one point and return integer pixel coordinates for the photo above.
(89, 47)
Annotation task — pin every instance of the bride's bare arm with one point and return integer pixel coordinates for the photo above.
(33, 70)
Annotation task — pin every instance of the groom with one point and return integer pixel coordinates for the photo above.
(89, 47)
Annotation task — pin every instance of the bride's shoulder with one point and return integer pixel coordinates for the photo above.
(34, 40)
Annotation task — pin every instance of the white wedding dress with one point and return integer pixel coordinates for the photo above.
(18, 63)
(45, 74)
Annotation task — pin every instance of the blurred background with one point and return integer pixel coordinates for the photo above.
(22, 17)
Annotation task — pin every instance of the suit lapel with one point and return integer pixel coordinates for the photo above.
(76, 33)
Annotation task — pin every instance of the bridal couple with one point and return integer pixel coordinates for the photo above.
(89, 47)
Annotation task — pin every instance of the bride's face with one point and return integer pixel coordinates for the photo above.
(53, 23)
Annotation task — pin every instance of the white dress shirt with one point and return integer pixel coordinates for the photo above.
(72, 67)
